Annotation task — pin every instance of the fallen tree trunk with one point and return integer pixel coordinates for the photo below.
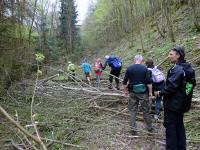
(139, 118)
(47, 79)
(92, 91)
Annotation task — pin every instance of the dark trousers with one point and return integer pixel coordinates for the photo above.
(134, 100)
(175, 130)
(72, 76)
(115, 73)
(158, 87)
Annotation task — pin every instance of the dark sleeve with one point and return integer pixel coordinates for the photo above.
(104, 66)
(173, 82)
(148, 79)
(125, 78)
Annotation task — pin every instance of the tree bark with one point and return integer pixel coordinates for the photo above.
(167, 14)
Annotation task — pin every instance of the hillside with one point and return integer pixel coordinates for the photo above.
(75, 115)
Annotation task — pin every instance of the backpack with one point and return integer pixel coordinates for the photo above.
(86, 68)
(115, 62)
(98, 67)
(189, 83)
(72, 67)
(157, 75)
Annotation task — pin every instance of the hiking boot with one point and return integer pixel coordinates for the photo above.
(151, 130)
(156, 117)
(110, 86)
(117, 87)
(134, 133)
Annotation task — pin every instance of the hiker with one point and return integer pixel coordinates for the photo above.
(98, 66)
(115, 64)
(87, 70)
(177, 98)
(158, 83)
(71, 69)
(140, 91)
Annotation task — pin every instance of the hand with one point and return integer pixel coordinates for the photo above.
(150, 94)
(157, 93)
(126, 91)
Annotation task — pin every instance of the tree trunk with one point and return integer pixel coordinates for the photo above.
(167, 14)
(196, 21)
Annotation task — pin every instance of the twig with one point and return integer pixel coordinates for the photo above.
(32, 116)
(16, 146)
(18, 125)
(194, 59)
(47, 79)
(14, 99)
(165, 59)
(112, 75)
(91, 91)
(66, 144)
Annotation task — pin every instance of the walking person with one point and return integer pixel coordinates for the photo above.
(98, 66)
(71, 69)
(177, 98)
(140, 91)
(158, 83)
(87, 70)
(115, 64)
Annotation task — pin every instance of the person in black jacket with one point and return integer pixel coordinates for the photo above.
(140, 90)
(115, 69)
(173, 100)
(158, 83)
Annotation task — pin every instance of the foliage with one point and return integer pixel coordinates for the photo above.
(39, 57)
(114, 19)
(68, 20)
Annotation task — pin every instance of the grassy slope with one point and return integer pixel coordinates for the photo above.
(156, 47)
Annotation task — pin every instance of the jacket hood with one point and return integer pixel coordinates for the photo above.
(184, 64)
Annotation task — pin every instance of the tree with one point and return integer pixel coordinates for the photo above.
(167, 14)
(68, 19)
(196, 13)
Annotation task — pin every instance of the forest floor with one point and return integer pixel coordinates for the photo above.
(76, 113)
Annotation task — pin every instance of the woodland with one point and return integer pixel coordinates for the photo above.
(41, 108)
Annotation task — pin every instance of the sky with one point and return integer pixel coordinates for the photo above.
(82, 7)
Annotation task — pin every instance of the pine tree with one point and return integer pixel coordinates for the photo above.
(68, 19)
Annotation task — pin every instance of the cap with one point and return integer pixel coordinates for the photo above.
(69, 62)
(180, 50)
(106, 57)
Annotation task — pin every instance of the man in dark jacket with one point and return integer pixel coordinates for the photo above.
(140, 89)
(174, 96)
(116, 65)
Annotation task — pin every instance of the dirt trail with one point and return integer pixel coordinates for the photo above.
(93, 120)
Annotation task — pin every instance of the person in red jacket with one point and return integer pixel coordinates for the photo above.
(98, 66)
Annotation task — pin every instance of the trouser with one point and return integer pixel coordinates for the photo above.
(72, 76)
(158, 87)
(115, 73)
(134, 100)
(175, 130)
(87, 77)
(98, 79)
(158, 105)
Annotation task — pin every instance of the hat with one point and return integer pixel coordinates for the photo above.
(69, 62)
(180, 50)
(98, 59)
(106, 57)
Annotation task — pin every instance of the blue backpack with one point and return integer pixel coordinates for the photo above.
(115, 62)
(86, 67)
